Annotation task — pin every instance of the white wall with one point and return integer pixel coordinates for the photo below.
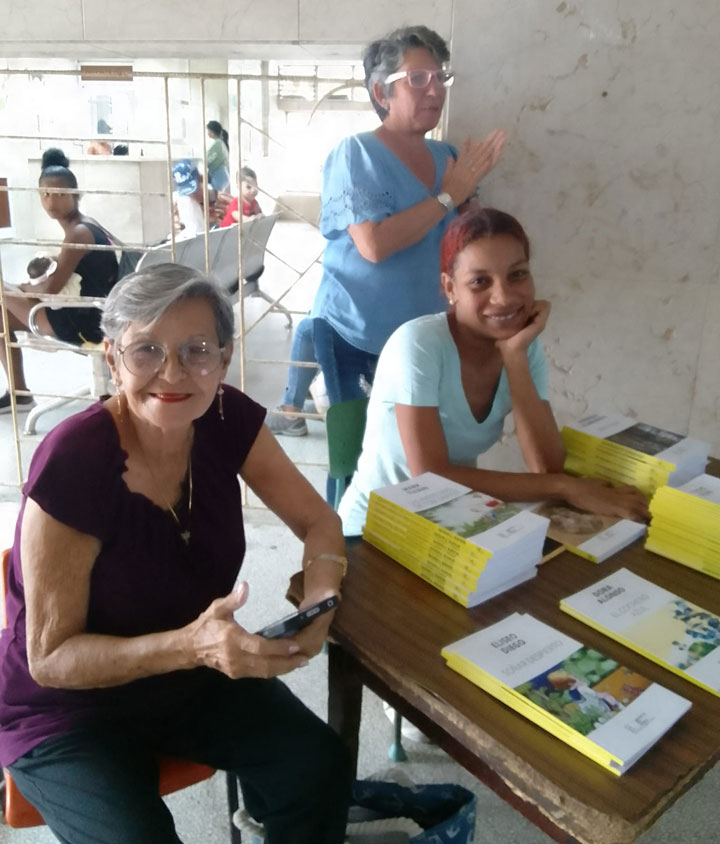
(612, 111)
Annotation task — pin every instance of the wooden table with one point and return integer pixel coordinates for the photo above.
(388, 634)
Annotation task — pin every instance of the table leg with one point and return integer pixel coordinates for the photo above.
(344, 698)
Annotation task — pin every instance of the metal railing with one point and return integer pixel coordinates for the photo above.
(241, 125)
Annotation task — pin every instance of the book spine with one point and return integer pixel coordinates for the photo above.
(455, 591)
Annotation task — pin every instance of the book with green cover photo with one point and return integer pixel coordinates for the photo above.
(470, 514)
(610, 712)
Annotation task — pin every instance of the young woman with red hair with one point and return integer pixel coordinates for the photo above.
(445, 383)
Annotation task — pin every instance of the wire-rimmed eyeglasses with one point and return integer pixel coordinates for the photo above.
(145, 358)
(422, 78)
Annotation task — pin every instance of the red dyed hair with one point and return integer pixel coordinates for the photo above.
(474, 225)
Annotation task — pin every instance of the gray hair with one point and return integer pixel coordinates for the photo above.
(143, 297)
(383, 57)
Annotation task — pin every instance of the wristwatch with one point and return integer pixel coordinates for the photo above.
(446, 200)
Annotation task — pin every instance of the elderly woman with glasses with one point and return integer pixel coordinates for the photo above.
(387, 198)
(122, 643)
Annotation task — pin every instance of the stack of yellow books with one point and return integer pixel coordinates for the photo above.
(610, 713)
(685, 524)
(625, 451)
(656, 623)
(467, 544)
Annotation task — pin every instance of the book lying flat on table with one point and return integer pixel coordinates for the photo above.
(625, 451)
(610, 713)
(685, 524)
(654, 622)
(592, 537)
(469, 545)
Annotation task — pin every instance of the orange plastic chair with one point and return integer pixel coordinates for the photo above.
(174, 774)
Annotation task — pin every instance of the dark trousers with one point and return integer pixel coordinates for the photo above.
(99, 786)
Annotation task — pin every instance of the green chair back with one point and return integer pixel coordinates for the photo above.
(345, 423)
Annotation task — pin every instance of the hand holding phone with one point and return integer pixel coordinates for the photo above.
(293, 623)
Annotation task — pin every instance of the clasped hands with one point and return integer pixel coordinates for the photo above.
(475, 160)
(216, 640)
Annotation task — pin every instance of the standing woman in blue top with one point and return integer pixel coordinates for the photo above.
(387, 196)
(446, 382)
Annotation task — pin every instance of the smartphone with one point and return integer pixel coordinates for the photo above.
(295, 622)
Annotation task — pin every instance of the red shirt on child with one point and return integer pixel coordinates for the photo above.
(249, 209)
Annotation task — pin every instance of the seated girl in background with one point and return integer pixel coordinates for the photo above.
(97, 270)
(446, 382)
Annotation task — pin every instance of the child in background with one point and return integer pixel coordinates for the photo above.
(38, 270)
(250, 206)
(40, 267)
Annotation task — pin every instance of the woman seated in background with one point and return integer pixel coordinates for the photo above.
(189, 200)
(97, 270)
(121, 643)
(446, 382)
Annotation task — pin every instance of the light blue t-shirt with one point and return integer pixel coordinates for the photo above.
(420, 367)
(365, 301)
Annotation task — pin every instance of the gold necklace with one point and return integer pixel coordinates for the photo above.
(184, 534)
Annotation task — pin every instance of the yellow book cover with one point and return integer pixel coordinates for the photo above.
(460, 532)
(600, 437)
(422, 532)
(609, 712)
(656, 623)
(461, 554)
(459, 594)
(697, 500)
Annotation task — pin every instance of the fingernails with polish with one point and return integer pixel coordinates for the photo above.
(303, 662)
(294, 649)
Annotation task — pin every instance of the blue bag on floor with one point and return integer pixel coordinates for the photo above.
(446, 812)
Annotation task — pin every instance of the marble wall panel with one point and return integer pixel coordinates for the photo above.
(185, 20)
(612, 165)
(705, 413)
(38, 20)
(363, 22)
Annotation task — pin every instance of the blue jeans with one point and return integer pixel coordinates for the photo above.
(348, 371)
(220, 179)
(300, 377)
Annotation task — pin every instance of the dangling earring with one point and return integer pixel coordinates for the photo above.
(220, 405)
(118, 393)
